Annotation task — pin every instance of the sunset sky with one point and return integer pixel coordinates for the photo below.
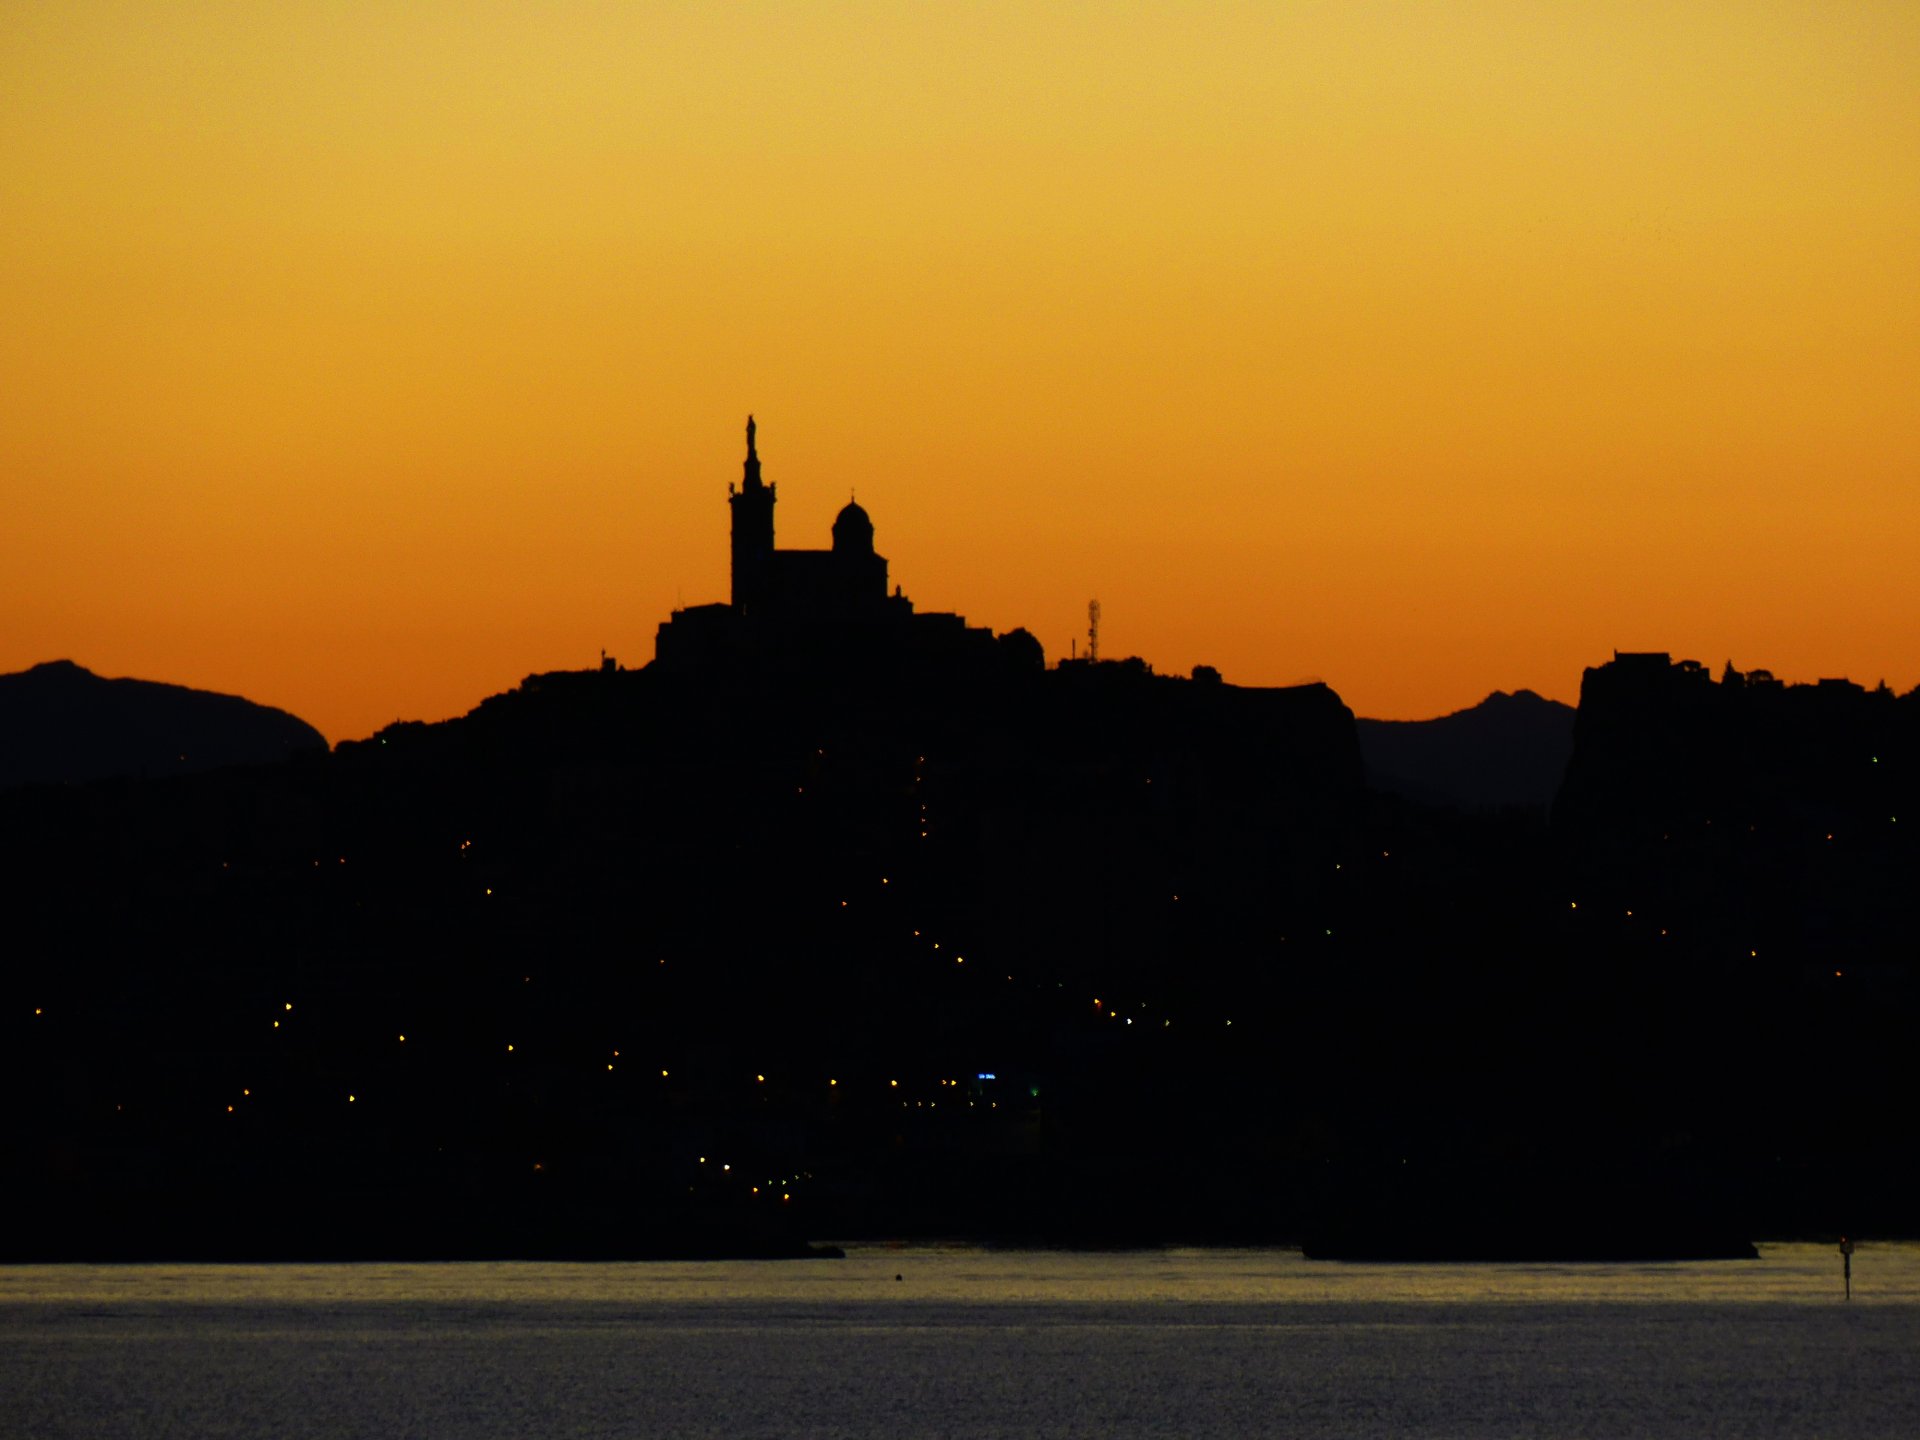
(364, 358)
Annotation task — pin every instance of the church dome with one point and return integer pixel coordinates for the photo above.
(852, 530)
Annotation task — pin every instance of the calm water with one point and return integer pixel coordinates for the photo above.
(967, 1343)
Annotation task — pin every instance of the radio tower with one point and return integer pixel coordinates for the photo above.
(1093, 632)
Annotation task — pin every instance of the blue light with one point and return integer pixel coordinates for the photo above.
(986, 1075)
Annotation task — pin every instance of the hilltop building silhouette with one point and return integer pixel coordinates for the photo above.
(847, 582)
(816, 608)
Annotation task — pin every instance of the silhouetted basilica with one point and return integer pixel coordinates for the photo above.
(819, 607)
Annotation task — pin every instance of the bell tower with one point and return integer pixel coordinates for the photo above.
(752, 506)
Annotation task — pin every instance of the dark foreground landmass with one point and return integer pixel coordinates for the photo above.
(676, 962)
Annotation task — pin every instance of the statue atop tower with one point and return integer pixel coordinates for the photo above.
(752, 506)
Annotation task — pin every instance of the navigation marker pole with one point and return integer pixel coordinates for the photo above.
(1846, 1263)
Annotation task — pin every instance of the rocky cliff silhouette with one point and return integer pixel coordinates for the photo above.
(1738, 857)
(62, 724)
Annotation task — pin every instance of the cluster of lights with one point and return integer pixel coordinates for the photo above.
(1752, 952)
(1112, 1012)
(784, 1185)
(1115, 1012)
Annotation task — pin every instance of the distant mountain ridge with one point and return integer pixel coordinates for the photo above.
(1509, 750)
(62, 724)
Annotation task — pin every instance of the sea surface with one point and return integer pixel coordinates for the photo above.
(961, 1341)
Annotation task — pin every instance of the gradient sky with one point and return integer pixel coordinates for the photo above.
(364, 358)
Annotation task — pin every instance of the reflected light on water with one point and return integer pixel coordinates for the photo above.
(897, 1342)
(1884, 1273)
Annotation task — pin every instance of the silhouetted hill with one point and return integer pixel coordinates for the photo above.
(1745, 853)
(1509, 750)
(710, 957)
(60, 723)
(845, 930)
(1664, 753)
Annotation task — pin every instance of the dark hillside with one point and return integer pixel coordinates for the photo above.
(847, 934)
(61, 724)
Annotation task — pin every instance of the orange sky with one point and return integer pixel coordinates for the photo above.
(363, 358)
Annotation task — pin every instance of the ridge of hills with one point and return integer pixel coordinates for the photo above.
(1510, 750)
(62, 724)
(1085, 954)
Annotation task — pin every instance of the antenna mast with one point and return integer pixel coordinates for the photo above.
(1093, 631)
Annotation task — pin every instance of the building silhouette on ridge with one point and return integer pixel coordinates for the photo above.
(819, 608)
